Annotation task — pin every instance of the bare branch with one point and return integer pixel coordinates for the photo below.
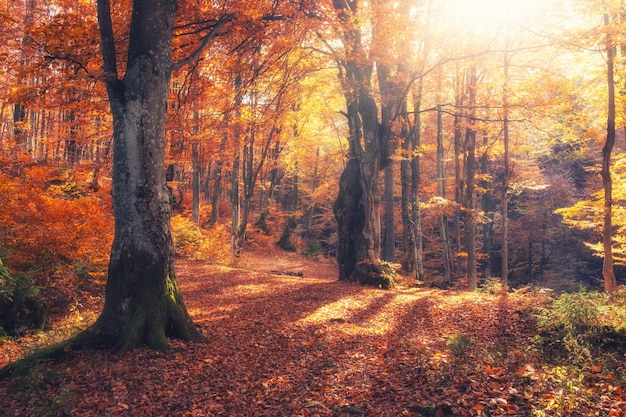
(205, 42)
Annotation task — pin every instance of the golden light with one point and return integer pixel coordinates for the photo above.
(489, 18)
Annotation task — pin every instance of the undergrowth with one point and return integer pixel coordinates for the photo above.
(194, 242)
(579, 327)
(581, 337)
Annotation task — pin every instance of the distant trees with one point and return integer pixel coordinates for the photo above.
(446, 153)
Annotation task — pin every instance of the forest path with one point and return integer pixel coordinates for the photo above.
(282, 345)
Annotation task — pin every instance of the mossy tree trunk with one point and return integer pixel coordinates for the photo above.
(143, 304)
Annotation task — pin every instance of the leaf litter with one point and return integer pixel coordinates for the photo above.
(303, 344)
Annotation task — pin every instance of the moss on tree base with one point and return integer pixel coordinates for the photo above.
(143, 305)
(379, 274)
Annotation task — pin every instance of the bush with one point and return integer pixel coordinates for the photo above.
(20, 307)
(491, 286)
(579, 326)
(191, 241)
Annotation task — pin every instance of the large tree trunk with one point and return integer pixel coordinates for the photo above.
(357, 205)
(143, 304)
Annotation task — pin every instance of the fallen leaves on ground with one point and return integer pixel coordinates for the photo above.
(281, 344)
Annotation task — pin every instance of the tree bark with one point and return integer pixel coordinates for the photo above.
(358, 201)
(608, 273)
(416, 214)
(195, 184)
(458, 174)
(441, 192)
(390, 97)
(143, 304)
(217, 181)
(507, 175)
(407, 229)
(470, 171)
(389, 242)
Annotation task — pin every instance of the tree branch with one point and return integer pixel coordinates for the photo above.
(107, 42)
(205, 42)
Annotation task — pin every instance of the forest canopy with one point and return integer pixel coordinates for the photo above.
(472, 132)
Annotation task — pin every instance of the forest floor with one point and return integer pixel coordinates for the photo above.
(288, 345)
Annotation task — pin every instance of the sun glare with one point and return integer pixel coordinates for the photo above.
(490, 17)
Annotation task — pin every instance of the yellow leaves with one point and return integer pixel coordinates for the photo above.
(192, 241)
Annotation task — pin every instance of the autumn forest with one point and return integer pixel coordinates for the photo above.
(312, 208)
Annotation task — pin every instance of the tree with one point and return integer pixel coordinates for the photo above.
(372, 143)
(470, 172)
(357, 205)
(143, 303)
(610, 283)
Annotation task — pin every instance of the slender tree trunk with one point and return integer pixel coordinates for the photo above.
(441, 192)
(487, 207)
(507, 176)
(217, 180)
(206, 175)
(458, 172)
(389, 243)
(314, 185)
(276, 174)
(390, 100)
(416, 213)
(195, 184)
(143, 304)
(405, 181)
(610, 282)
(296, 189)
(236, 237)
(470, 171)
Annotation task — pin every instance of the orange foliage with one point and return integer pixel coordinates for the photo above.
(50, 221)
